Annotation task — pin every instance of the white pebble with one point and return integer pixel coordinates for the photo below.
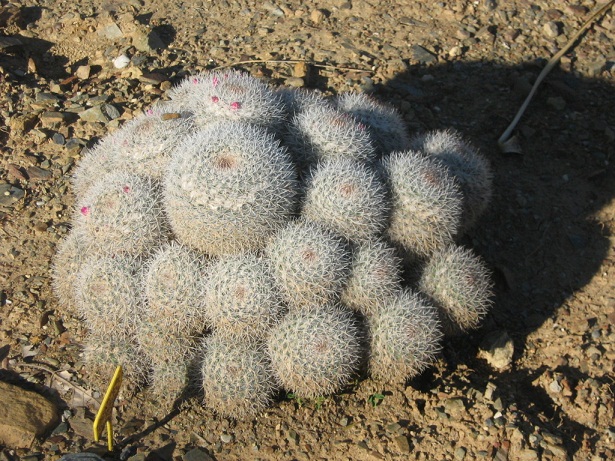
(121, 61)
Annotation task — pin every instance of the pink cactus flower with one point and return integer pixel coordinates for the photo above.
(85, 210)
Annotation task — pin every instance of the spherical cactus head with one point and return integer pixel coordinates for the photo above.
(229, 95)
(241, 297)
(104, 352)
(174, 286)
(426, 203)
(385, 125)
(458, 283)
(309, 263)
(296, 100)
(95, 163)
(315, 352)
(347, 197)
(404, 337)
(144, 144)
(322, 132)
(237, 378)
(108, 294)
(374, 277)
(470, 169)
(229, 187)
(171, 383)
(67, 262)
(121, 214)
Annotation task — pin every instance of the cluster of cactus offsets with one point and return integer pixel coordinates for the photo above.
(244, 240)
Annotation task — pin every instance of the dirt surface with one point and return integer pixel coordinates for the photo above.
(548, 236)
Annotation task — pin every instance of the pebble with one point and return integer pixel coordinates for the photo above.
(121, 61)
(103, 113)
(555, 387)
(36, 173)
(83, 72)
(551, 29)
(46, 98)
(58, 138)
(52, 118)
(295, 82)
(226, 438)
(421, 55)
(197, 454)
(10, 195)
(460, 453)
(497, 348)
(317, 16)
(402, 443)
(454, 405)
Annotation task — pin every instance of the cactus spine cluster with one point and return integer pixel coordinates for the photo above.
(248, 238)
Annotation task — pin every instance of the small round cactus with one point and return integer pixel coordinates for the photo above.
(296, 100)
(108, 295)
(67, 262)
(404, 337)
(469, 168)
(458, 283)
(95, 163)
(384, 123)
(242, 300)
(315, 352)
(237, 378)
(426, 203)
(171, 382)
(309, 263)
(229, 188)
(374, 277)
(104, 352)
(144, 144)
(174, 287)
(121, 213)
(346, 197)
(229, 95)
(322, 132)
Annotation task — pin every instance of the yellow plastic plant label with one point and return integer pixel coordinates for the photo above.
(103, 417)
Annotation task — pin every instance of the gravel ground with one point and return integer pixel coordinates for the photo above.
(535, 382)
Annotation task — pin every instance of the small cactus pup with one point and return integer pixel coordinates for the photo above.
(296, 100)
(374, 277)
(385, 124)
(104, 352)
(229, 187)
(426, 203)
(404, 337)
(171, 383)
(229, 95)
(144, 144)
(108, 295)
(241, 298)
(174, 286)
(309, 263)
(315, 352)
(470, 169)
(67, 262)
(121, 214)
(321, 132)
(346, 197)
(237, 378)
(458, 283)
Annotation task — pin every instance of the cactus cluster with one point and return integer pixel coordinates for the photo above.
(253, 239)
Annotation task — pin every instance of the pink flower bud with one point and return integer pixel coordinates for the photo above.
(215, 99)
(235, 105)
(215, 82)
(126, 189)
(85, 210)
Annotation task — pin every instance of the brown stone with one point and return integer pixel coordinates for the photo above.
(24, 415)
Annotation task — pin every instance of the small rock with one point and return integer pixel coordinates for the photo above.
(455, 52)
(24, 415)
(460, 453)
(295, 82)
(344, 421)
(121, 61)
(551, 29)
(421, 55)
(576, 10)
(54, 118)
(103, 113)
(226, 438)
(110, 31)
(497, 349)
(596, 67)
(197, 454)
(59, 139)
(402, 443)
(527, 455)
(317, 16)
(46, 98)
(153, 78)
(555, 387)
(147, 41)
(36, 173)
(9, 195)
(83, 72)
(16, 172)
(300, 70)
(454, 405)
